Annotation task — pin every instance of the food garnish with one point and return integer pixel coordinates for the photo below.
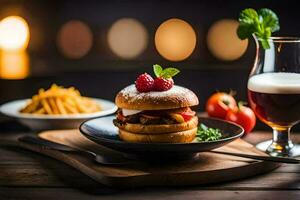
(205, 133)
(60, 101)
(261, 23)
(162, 82)
(144, 83)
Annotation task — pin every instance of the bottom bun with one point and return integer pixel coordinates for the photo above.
(176, 137)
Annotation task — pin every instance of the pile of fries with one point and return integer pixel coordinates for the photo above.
(60, 101)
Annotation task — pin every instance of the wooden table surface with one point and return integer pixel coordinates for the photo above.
(26, 175)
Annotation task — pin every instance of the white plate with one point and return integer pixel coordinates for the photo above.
(43, 122)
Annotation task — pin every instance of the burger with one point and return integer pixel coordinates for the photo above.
(156, 111)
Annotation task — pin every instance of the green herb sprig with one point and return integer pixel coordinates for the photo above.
(164, 73)
(261, 23)
(205, 133)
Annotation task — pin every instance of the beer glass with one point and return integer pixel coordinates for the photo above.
(274, 91)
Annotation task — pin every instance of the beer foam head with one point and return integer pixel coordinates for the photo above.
(275, 83)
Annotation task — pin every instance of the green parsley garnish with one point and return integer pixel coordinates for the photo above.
(164, 73)
(261, 23)
(205, 133)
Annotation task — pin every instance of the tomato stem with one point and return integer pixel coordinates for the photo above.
(241, 104)
(232, 92)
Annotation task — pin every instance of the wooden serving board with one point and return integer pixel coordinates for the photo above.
(206, 168)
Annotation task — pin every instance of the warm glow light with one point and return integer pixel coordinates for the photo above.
(14, 65)
(127, 38)
(14, 33)
(75, 39)
(223, 41)
(175, 39)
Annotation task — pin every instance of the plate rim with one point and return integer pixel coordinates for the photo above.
(168, 144)
(98, 114)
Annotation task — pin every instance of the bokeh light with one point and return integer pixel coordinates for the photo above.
(14, 64)
(14, 33)
(75, 39)
(127, 38)
(175, 39)
(223, 41)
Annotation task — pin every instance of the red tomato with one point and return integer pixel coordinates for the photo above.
(187, 115)
(243, 116)
(219, 104)
(120, 116)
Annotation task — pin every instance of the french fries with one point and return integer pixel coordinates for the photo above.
(60, 101)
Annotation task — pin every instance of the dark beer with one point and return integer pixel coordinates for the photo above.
(275, 98)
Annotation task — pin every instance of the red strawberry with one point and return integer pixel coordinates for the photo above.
(144, 83)
(163, 84)
(164, 79)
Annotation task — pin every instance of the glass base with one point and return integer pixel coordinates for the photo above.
(272, 151)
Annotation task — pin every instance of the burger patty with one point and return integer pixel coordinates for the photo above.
(157, 128)
(151, 117)
(145, 119)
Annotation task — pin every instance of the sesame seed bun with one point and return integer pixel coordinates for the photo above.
(176, 97)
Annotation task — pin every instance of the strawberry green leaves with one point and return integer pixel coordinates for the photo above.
(164, 73)
(261, 23)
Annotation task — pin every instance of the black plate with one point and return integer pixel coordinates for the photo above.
(102, 131)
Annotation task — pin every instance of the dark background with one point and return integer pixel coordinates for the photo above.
(101, 74)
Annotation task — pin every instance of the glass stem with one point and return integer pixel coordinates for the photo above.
(281, 144)
(281, 136)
